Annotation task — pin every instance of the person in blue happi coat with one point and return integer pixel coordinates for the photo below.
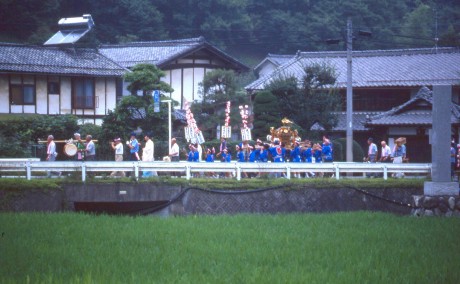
(296, 156)
(307, 157)
(192, 154)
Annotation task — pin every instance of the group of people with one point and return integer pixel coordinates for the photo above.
(85, 150)
(134, 147)
(264, 152)
(260, 152)
(387, 155)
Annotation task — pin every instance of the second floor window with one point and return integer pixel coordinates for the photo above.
(83, 93)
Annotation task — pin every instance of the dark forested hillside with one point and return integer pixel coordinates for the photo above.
(249, 27)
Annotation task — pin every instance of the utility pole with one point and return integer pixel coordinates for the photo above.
(349, 132)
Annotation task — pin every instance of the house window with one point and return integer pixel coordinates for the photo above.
(22, 90)
(53, 86)
(83, 93)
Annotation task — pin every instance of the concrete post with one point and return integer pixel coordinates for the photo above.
(441, 183)
(349, 128)
(28, 170)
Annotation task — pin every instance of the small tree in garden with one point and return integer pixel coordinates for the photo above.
(312, 99)
(266, 114)
(137, 111)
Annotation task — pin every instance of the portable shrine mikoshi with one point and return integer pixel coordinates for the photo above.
(284, 134)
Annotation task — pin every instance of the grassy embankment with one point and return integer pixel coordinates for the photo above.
(358, 247)
(56, 184)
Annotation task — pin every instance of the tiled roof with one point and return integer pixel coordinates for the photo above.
(161, 53)
(405, 114)
(359, 121)
(55, 60)
(407, 118)
(275, 59)
(378, 68)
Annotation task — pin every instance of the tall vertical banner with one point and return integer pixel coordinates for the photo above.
(245, 131)
(192, 132)
(226, 130)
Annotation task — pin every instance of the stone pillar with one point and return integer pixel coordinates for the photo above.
(441, 183)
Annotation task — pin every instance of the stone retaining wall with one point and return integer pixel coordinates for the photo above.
(436, 205)
(195, 201)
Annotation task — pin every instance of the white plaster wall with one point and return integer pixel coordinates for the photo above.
(16, 109)
(100, 93)
(41, 89)
(111, 94)
(29, 109)
(167, 79)
(176, 84)
(4, 94)
(199, 76)
(202, 61)
(66, 96)
(188, 84)
(190, 61)
(89, 112)
(53, 104)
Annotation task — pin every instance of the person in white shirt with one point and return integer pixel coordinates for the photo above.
(148, 155)
(51, 154)
(200, 152)
(90, 149)
(372, 154)
(174, 151)
(117, 146)
(385, 157)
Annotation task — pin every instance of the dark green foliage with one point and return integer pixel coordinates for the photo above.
(244, 26)
(313, 99)
(340, 152)
(138, 111)
(218, 87)
(266, 114)
(146, 78)
(23, 184)
(17, 135)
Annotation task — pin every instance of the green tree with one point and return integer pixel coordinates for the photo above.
(418, 26)
(266, 114)
(135, 111)
(313, 99)
(217, 87)
(146, 78)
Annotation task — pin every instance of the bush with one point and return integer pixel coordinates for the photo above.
(18, 135)
(340, 151)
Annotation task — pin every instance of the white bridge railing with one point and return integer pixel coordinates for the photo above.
(29, 166)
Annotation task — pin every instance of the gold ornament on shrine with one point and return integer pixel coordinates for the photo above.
(284, 134)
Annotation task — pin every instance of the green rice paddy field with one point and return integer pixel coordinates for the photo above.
(358, 247)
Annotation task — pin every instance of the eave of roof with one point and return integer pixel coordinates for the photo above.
(402, 115)
(359, 120)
